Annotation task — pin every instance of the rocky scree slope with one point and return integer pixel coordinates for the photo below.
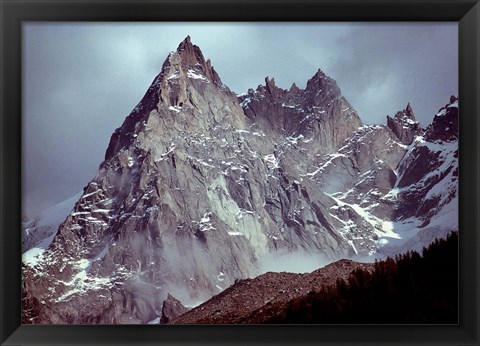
(256, 300)
(199, 184)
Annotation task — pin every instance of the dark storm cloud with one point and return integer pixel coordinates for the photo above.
(81, 80)
(385, 69)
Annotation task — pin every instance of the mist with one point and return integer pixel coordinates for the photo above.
(299, 261)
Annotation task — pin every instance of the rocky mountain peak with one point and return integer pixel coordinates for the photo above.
(318, 112)
(273, 91)
(445, 123)
(270, 83)
(188, 60)
(185, 44)
(294, 89)
(180, 88)
(321, 89)
(319, 75)
(404, 125)
(409, 112)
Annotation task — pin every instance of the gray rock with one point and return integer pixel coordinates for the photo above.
(172, 308)
(404, 125)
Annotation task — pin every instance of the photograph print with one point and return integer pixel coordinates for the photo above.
(247, 173)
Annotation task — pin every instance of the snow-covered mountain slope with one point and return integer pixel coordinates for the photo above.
(39, 232)
(198, 186)
(426, 189)
(389, 197)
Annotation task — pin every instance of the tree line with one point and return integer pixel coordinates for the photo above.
(410, 288)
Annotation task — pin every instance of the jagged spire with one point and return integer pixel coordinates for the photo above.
(319, 74)
(404, 125)
(188, 56)
(269, 80)
(270, 83)
(322, 86)
(409, 112)
(272, 89)
(186, 42)
(294, 88)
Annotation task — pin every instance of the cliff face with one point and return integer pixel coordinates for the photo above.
(318, 113)
(392, 190)
(199, 184)
(404, 126)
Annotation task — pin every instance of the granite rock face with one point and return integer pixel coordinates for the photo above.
(404, 126)
(199, 185)
(427, 184)
(171, 309)
(318, 113)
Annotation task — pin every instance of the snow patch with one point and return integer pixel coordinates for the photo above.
(50, 219)
(289, 106)
(453, 105)
(154, 321)
(321, 168)
(195, 75)
(272, 161)
(176, 75)
(176, 109)
(244, 103)
(235, 233)
(82, 282)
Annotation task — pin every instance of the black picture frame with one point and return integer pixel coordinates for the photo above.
(14, 12)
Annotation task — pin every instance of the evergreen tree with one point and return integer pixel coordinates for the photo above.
(408, 289)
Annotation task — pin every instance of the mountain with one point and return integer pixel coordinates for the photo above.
(200, 185)
(39, 232)
(395, 195)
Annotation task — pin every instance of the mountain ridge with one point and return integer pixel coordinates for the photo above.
(238, 303)
(199, 185)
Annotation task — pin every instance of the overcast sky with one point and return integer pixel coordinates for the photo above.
(81, 80)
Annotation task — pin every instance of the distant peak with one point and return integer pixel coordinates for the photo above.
(404, 125)
(294, 88)
(318, 77)
(445, 123)
(189, 56)
(186, 42)
(323, 84)
(272, 89)
(269, 81)
(190, 53)
(319, 74)
(409, 112)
